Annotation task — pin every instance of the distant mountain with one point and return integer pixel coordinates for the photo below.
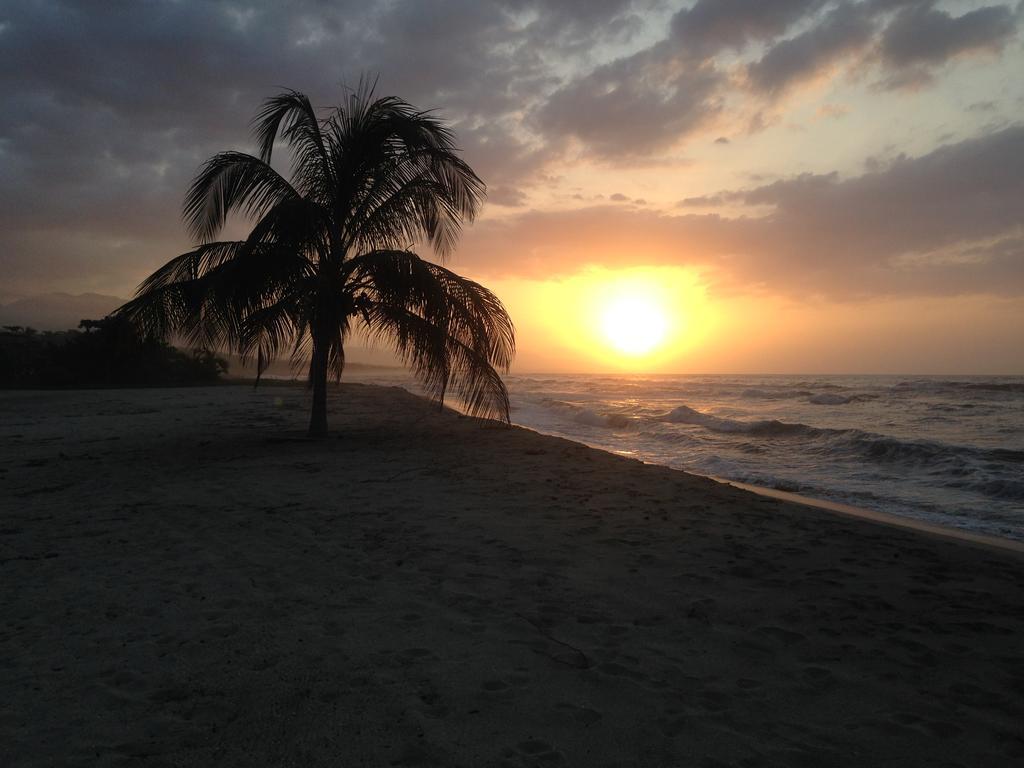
(370, 361)
(63, 311)
(58, 311)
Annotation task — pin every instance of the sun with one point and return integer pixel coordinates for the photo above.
(634, 324)
(639, 319)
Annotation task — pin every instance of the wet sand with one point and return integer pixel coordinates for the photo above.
(185, 580)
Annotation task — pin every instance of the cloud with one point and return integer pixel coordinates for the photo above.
(685, 83)
(831, 111)
(509, 197)
(924, 35)
(982, 106)
(907, 39)
(650, 100)
(634, 106)
(921, 38)
(711, 25)
(846, 30)
(947, 222)
(107, 109)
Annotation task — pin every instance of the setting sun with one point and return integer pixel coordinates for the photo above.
(634, 324)
(641, 320)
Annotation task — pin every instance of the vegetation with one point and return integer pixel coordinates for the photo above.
(330, 253)
(105, 353)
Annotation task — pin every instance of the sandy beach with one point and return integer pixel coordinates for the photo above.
(185, 580)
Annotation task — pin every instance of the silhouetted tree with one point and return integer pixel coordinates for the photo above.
(329, 251)
(111, 353)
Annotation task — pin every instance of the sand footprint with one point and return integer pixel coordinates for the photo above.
(585, 716)
(537, 752)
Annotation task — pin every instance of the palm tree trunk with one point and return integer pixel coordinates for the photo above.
(318, 378)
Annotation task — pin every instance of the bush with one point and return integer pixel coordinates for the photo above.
(104, 353)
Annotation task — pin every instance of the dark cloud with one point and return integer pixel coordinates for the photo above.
(948, 222)
(917, 215)
(712, 25)
(982, 106)
(922, 38)
(681, 84)
(648, 101)
(923, 35)
(107, 109)
(908, 39)
(509, 197)
(705, 201)
(845, 30)
(636, 105)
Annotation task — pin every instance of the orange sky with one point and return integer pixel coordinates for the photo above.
(774, 185)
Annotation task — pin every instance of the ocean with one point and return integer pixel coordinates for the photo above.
(944, 450)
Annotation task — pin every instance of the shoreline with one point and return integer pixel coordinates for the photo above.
(879, 517)
(189, 581)
(946, 532)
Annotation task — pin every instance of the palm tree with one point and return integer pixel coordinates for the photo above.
(330, 253)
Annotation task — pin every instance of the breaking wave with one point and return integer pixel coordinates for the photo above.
(943, 449)
(588, 417)
(686, 415)
(956, 466)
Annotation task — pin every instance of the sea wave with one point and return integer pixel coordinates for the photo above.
(946, 448)
(755, 393)
(684, 414)
(830, 398)
(933, 385)
(936, 457)
(589, 417)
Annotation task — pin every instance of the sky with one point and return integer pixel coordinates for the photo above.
(726, 186)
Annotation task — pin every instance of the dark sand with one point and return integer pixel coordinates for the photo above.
(184, 582)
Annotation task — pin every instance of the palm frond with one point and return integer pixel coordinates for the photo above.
(192, 264)
(442, 362)
(447, 327)
(208, 295)
(467, 309)
(404, 179)
(290, 116)
(232, 181)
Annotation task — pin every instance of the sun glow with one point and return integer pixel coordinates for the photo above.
(634, 323)
(643, 319)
